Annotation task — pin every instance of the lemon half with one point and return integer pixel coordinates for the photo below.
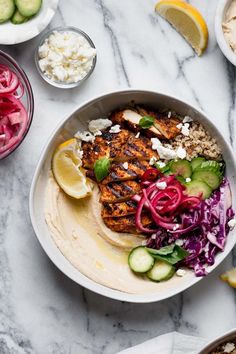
(66, 167)
(230, 277)
(187, 20)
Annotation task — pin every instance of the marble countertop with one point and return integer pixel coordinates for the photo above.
(42, 311)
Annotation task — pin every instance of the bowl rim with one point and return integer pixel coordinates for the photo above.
(217, 341)
(85, 281)
(13, 62)
(219, 17)
(56, 83)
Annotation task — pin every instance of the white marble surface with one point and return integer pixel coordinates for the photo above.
(41, 311)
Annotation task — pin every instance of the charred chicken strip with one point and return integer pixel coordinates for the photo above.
(126, 223)
(118, 191)
(118, 209)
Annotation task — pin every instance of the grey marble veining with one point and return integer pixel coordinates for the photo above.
(43, 312)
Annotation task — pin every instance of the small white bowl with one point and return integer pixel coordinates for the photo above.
(222, 7)
(100, 107)
(13, 34)
(227, 337)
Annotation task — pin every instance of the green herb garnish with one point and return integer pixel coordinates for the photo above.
(170, 254)
(146, 122)
(101, 168)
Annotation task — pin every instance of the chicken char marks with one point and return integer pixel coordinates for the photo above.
(129, 154)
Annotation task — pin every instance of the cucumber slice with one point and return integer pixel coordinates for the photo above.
(209, 177)
(161, 271)
(18, 19)
(140, 260)
(7, 8)
(28, 8)
(197, 162)
(210, 166)
(181, 168)
(196, 188)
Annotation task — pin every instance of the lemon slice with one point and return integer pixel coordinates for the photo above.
(187, 20)
(230, 277)
(66, 167)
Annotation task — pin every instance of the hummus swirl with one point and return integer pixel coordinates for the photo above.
(229, 26)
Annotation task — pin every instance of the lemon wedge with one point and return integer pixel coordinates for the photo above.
(67, 170)
(187, 20)
(230, 277)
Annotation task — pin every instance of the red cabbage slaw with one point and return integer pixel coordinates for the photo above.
(199, 226)
(13, 115)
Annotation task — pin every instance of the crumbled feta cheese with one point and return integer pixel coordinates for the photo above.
(176, 227)
(137, 135)
(85, 136)
(161, 185)
(66, 56)
(166, 153)
(154, 236)
(185, 129)
(180, 272)
(181, 153)
(155, 143)
(161, 164)
(169, 114)
(115, 129)
(153, 160)
(97, 125)
(179, 126)
(229, 347)
(232, 223)
(187, 179)
(179, 242)
(144, 242)
(187, 119)
(126, 165)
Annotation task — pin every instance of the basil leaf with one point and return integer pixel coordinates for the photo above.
(176, 256)
(101, 168)
(162, 251)
(146, 122)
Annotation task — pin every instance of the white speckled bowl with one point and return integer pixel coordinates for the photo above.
(227, 337)
(100, 107)
(13, 34)
(219, 18)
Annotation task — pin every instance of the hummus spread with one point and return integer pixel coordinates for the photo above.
(77, 229)
(229, 25)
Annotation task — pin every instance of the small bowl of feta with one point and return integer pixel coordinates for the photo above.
(65, 57)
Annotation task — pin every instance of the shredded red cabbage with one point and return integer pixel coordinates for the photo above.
(209, 235)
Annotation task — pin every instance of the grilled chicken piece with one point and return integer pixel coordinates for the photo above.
(119, 172)
(131, 118)
(118, 191)
(119, 209)
(106, 145)
(126, 223)
(136, 148)
(166, 126)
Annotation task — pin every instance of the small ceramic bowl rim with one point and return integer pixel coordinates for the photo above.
(31, 98)
(57, 83)
(84, 280)
(219, 18)
(217, 341)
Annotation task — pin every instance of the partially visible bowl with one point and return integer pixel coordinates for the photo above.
(100, 107)
(222, 7)
(227, 337)
(59, 84)
(27, 98)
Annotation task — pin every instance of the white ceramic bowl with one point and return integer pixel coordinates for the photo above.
(100, 107)
(227, 337)
(219, 18)
(13, 34)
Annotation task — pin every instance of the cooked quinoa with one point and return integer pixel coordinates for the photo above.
(198, 143)
(228, 347)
